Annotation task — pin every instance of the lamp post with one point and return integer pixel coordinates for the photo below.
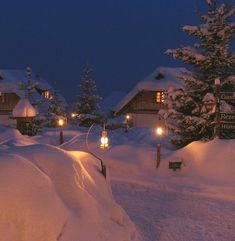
(61, 123)
(104, 144)
(159, 132)
(217, 108)
(127, 120)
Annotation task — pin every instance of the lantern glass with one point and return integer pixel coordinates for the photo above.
(104, 141)
(159, 131)
(60, 122)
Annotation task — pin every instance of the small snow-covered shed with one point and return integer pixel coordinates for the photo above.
(144, 101)
(24, 113)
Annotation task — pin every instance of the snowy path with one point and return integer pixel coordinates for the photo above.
(162, 214)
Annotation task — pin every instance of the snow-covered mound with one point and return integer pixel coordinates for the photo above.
(214, 160)
(12, 137)
(49, 194)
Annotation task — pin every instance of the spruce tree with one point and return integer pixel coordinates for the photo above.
(29, 87)
(191, 109)
(55, 108)
(88, 101)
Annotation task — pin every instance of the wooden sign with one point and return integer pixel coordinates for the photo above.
(227, 95)
(227, 117)
(227, 126)
(175, 165)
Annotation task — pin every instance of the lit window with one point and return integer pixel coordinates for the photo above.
(159, 96)
(3, 97)
(47, 94)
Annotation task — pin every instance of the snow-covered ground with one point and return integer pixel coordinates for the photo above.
(196, 203)
(53, 192)
(50, 194)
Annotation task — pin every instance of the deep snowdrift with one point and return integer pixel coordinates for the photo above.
(48, 194)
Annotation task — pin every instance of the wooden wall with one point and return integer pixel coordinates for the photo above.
(7, 102)
(144, 102)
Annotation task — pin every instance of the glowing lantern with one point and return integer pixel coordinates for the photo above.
(73, 115)
(61, 122)
(159, 131)
(104, 141)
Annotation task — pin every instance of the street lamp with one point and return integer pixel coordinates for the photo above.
(104, 144)
(61, 124)
(74, 115)
(217, 107)
(160, 132)
(127, 120)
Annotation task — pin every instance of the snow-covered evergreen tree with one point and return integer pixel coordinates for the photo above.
(211, 57)
(56, 108)
(29, 87)
(88, 101)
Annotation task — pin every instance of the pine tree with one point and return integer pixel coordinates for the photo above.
(211, 57)
(29, 87)
(88, 101)
(55, 108)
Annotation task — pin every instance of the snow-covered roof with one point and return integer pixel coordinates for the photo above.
(10, 81)
(24, 109)
(161, 79)
(110, 103)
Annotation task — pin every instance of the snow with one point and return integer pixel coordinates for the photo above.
(52, 192)
(150, 83)
(24, 109)
(196, 203)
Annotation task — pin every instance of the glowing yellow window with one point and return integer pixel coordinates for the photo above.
(47, 94)
(159, 96)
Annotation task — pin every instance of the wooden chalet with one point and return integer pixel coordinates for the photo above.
(11, 92)
(145, 100)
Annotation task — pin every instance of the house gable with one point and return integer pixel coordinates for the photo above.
(143, 102)
(148, 95)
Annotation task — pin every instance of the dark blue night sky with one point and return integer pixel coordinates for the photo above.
(124, 40)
